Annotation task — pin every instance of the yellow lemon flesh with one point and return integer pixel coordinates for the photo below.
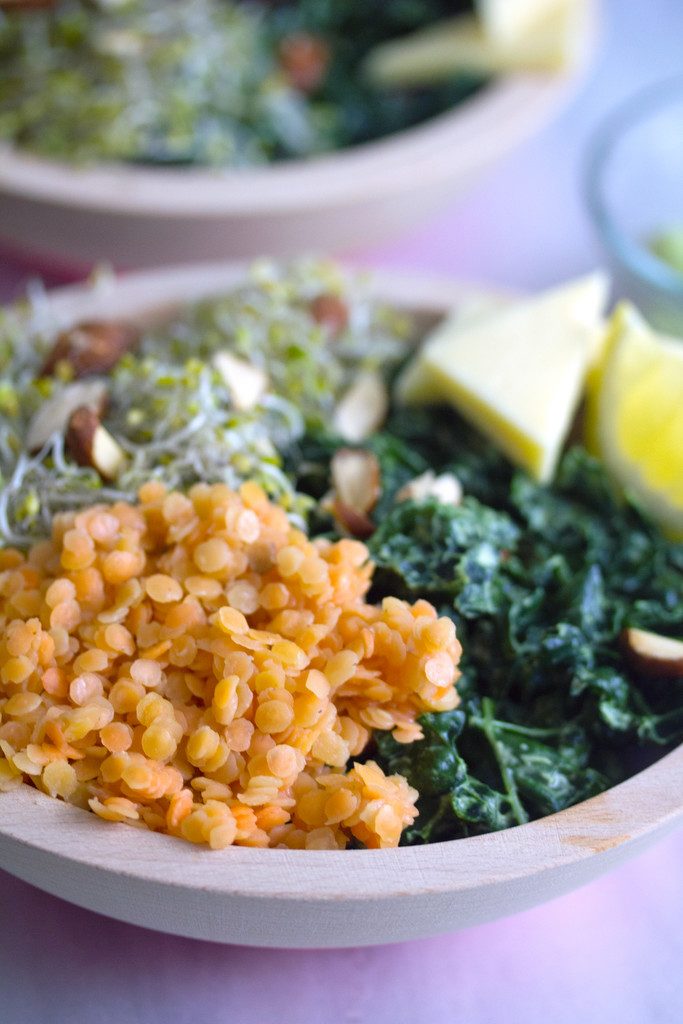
(511, 19)
(516, 374)
(553, 41)
(416, 386)
(635, 416)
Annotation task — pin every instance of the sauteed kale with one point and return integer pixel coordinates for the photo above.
(540, 581)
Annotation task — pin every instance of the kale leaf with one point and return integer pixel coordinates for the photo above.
(540, 580)
(441, 549)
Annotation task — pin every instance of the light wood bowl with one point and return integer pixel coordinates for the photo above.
(137, 217)
(316, 898)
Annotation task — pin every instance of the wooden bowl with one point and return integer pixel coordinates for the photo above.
(317, 898)
(144, 217)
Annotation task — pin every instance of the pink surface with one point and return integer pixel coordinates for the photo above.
(608, 954)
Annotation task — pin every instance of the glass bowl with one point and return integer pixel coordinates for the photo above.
(635, 196)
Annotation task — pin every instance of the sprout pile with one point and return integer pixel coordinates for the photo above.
(206, 82)
(169, 408)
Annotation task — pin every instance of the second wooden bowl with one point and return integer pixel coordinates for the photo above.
(134, 216)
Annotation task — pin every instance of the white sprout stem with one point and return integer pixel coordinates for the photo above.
(157, 447)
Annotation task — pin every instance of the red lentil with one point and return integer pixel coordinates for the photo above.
(196, 665)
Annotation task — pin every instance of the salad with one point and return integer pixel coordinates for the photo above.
(248, 595)
(207, 82)
(235, 83)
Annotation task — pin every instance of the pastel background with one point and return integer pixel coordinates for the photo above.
(610, 953)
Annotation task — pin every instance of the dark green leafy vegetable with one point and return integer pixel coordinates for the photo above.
(437, 549)
(355, 109)
(540, 581)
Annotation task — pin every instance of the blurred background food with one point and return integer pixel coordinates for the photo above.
(231, 84)
(143, 132)
(207, 81)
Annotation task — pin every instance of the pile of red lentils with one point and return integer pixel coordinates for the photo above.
(194, 665)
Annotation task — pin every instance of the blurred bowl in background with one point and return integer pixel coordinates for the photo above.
(137, 216)
(635, 196)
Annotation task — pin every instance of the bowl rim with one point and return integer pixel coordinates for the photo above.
(632, 813)
(35, 825)
(606, 138)
(387, 165)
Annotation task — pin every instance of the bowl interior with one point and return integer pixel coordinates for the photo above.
(317, 898)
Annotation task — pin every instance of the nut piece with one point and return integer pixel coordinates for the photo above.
(304, 58)
(331, 312)
(363, 409)
(94, 346)
(446, 488)
(356, 486)
(246, 383)
(54, 414)
(91, 444)
(653, 655)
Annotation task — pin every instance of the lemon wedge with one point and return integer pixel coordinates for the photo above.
(553, 42)
(416, 386)
(635, 415)
(516, 374)
(582, 300)
(511, 19)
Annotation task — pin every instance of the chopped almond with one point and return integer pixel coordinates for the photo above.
(652, 654)
(363, 409)
(304, 58)
(446, 488)
(91, 444)
(246, 383)
(54, 414)
(357, 487)
(331, 312)
(356, 524)
(91, 347)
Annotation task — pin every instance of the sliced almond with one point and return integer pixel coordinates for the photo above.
(446, 488)
(652, 654)
(91, 444)
(356, 483)
(357, 524)
(54, 414)
(91, 347)
(246, 383)
(356, 478)
(363, 409)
